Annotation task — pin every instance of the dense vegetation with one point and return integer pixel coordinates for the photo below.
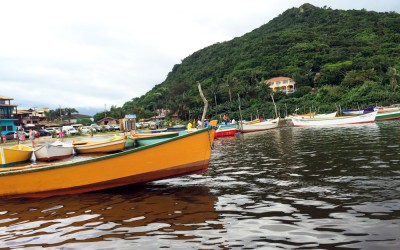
(348, 58)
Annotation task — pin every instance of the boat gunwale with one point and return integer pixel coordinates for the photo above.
(31, 168)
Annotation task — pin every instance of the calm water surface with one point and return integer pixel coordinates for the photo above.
(305, 188)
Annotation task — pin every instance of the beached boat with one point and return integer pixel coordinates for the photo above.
(257, 125)
(113, 144)
(14, 155)
(144, 139)
(176, 128)
(393, 115)
(167, 159)
(54, 151)
(369, 117)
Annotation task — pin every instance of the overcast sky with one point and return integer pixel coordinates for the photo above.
(90, 55)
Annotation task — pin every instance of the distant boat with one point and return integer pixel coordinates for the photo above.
(54, 151)
(357, 111)
(387, 115)
(366, 118)
(257, 125)
(111, 145)
(313, 115)
(144, 139)
(226, 130)
(14, 155)
(384, 109)
(176, 128)
(167, 159)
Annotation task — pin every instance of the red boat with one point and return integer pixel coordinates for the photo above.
(225, 132)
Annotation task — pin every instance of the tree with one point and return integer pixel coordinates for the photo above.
(393, 75)
(69, 112)
(214, 90)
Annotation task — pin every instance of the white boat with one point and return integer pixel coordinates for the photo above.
(313, 115)
(257, 125)
(301, 122)
(54, 151)
(114, 144)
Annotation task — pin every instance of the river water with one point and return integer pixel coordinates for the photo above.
(304, 188)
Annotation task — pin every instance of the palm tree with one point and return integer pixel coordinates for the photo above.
(69, 112)
(230, 82)
(393, 75)
(214, 90)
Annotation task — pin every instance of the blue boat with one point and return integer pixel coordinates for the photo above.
(176, 128)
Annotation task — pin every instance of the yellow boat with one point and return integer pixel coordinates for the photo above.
(166, 159)
(88, 147)
(15, 155)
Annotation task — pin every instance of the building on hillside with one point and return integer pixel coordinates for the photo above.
(108, 121)
(282, 84)
(8, 122)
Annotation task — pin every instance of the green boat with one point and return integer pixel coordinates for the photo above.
(144, 139)
(387, 115)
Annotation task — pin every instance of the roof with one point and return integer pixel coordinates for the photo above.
(5, 98)
(107, 119)
(279, 78)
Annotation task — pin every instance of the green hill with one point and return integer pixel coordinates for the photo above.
(349, 59)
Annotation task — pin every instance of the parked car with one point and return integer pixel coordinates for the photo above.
(69, 130)
(116, 127)
(11, 135)
(43, 132)
(86, 129)
(96, 127)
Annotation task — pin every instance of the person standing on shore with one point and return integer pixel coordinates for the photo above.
(61, 135)
(32, 137)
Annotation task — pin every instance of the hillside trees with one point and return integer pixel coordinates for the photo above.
(345, 57)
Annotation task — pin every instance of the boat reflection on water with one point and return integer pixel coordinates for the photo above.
(133, 213)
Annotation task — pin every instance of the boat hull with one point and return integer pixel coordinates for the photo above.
(366, 118)
(174, 157)
(254, 127)
(226, 132)
(100, 147)
(51, 152)
(388, 115)
(15, 155)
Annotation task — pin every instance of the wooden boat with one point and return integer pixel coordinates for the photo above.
(257, 125)
(313, 115)
(369, 117)
(176, 128)
(14, 155)
(357, 111)
(144, 139)
(226, 130)
(392, 108)
(381, 116)
(112, 145)
(54, 151)
(167, 159)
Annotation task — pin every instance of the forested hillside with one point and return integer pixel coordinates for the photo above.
(337, 58)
